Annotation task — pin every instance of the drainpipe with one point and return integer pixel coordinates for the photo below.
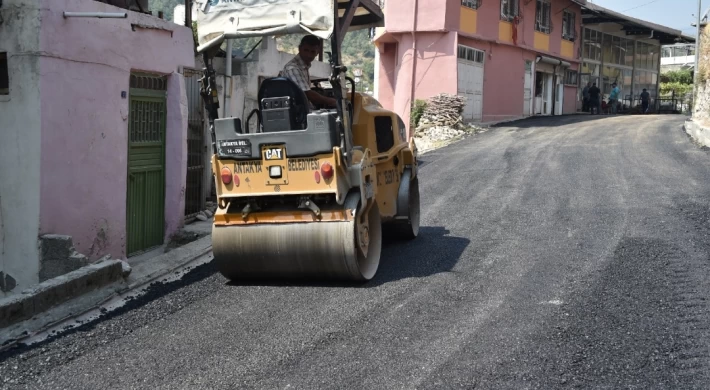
(414, 61)
(227, 80)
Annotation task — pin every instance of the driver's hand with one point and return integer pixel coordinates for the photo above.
(332, 102)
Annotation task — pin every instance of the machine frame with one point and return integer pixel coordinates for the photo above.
(354, 215)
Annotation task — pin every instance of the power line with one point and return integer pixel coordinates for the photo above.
(642, 5)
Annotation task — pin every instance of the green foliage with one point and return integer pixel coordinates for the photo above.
(418, 109)
(680, 89)
(677, 76)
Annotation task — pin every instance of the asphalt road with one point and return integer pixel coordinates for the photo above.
(562, 253)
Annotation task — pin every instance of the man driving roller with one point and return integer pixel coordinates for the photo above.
(297, 70)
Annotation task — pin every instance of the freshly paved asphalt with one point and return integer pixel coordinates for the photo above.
(563, 253)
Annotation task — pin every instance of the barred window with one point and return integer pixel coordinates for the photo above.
(471, 54)
(473, 4)
(542, 16)
(568, 26)
(571, 77)
(508, 9)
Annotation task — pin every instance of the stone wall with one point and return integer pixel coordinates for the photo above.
(701, 107)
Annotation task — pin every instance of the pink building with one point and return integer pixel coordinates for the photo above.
(94, 120)
(510, 58)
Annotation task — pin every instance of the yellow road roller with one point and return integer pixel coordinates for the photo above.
(307, 192)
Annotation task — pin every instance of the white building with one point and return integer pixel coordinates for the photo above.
(677, 57)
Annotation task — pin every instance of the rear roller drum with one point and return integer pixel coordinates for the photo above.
(408, 228)
(314, 250)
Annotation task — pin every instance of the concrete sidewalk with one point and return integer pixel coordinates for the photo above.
(699, 133)
(62, 298)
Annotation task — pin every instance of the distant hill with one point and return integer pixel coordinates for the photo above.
(358, 50)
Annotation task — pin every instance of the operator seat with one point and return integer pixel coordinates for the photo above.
(283, 105)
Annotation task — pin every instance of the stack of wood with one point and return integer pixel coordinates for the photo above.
(443, 110)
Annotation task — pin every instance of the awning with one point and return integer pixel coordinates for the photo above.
(218, 20)
(553, 61)
(594, 14)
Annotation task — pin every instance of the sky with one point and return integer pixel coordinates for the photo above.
(677, 14)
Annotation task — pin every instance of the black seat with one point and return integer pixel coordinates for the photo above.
(283, 105)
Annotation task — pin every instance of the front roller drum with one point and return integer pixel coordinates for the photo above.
(313, 250)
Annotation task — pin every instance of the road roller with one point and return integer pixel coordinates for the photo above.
(307, 192)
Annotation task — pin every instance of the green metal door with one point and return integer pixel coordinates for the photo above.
(145, 222)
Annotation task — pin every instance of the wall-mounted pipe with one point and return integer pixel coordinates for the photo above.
(100, 15)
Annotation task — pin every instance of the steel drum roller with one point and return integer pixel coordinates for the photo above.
(314, 250)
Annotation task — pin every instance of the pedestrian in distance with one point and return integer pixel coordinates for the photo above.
(594, 102)
(585, 97)
(614, 98)
(645, 101)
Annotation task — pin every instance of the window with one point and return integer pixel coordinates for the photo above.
(647, 56)
(384, 136)
(471, 54)
(542, 16)
(592, 45)
(473, 4)
(571, 77)
(508, 9)
(568, 28)
(4, 75)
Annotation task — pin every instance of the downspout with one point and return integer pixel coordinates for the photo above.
(414, 63)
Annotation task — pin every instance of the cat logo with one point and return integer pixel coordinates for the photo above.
(273, 154)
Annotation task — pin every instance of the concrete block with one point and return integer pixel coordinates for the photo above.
(699, 133)
(57, 256)
(125, 268)
(57, 290)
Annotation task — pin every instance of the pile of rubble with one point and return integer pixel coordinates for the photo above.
(442, 121)
(208, 213)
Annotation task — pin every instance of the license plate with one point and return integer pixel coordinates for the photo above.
(235, 147)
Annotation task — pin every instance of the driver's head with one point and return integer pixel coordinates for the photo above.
(309, 48)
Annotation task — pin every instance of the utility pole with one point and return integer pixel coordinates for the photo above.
(188, 13)
(697, 56)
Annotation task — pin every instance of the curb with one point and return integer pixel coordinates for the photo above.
(50, 293)
(54, 303)
(166, 263)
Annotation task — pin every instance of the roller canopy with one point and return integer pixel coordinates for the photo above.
(218, 20)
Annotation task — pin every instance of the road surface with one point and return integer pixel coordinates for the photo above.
(562, 253)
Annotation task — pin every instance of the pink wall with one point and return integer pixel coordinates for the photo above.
(503, 79)
(435, 51)
(84, 68)
(432, 15)
(569, 105)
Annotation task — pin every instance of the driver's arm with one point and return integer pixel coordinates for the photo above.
(300, 77)
(317, 98)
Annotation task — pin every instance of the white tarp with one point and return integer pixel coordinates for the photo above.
(218, 20)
